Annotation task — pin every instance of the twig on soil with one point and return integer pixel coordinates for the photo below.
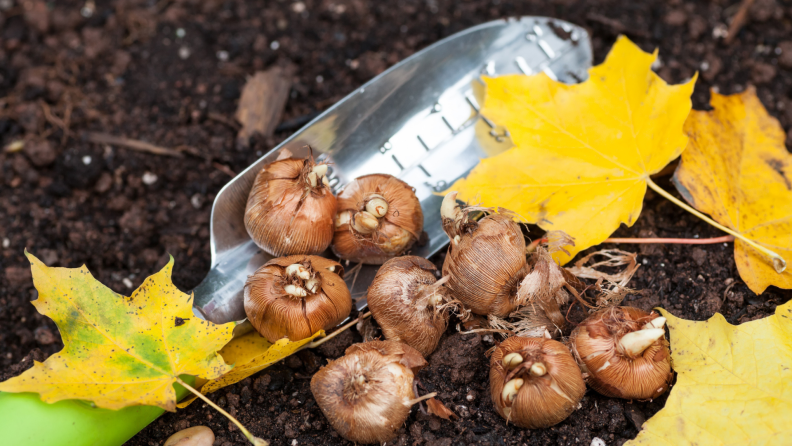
(223, 120)
(140, 146)
(52, 119)
(616, 25)
(738, 21)
(225, 169)
(256, 441)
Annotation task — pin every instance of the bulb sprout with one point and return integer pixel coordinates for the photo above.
(538, 369)
(365, 223)
(636, 342)
(298, 271)
(658, 322)
(450, 209)
(320, 170)
(295, 290)
(342, 219)
(511, 389)
(312, 285)
(377, 206)
(512, 360)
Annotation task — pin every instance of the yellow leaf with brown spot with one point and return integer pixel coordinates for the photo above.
(583, 152)
(737, 169)
(119, 351)
(733, 387)
(249, 353)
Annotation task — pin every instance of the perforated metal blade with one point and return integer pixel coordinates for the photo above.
(418, 121)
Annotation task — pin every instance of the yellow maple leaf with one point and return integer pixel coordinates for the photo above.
(583, 152)
(737, 169)
(249, 353)
(119, 351)
(734, 384)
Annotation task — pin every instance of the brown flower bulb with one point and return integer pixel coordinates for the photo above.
(296, 296)
(624, 353)
(486, 258)
(379, 217)
(405, 298)
(534, 382)
(290, 208)
(366, 394)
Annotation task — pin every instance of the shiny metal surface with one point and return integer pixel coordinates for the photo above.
(418, 121)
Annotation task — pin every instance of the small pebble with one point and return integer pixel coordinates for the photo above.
(86, 160)
(274, 45)
(597, 441)
(6, 243)
(197, 201)
(184, 53)
(127, 283)
(222, 55)
(149, 178)
(193, 436)
(180, 33)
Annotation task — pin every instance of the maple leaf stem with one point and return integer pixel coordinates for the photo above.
(252, 438)
(673, 241)
(315, 344)
(779, 264)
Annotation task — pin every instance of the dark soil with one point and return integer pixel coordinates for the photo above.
(122, 71)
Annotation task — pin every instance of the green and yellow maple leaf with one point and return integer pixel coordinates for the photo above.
(119, 351)
(734, 384)
(584, 152)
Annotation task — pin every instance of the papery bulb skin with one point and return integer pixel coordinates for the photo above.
(366, 394)
(379, 217)
(623, 353)
(290, 208)
(294, 297)
(534, 382)
(404, 299)
(485, 260)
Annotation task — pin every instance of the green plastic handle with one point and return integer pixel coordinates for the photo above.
(25, 420)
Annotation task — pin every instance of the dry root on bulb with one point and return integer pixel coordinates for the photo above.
(544, 290)
(486, 258)
(534, 382)
(296, 296)
(379, 217)
(366, 395)
(623, 353)
(409, 303)
(291, 207)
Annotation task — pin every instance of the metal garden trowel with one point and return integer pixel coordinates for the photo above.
(418, 121)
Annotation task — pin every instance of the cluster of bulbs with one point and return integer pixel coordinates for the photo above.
(366, 395)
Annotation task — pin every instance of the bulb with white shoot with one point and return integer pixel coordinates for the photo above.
(624, 353)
